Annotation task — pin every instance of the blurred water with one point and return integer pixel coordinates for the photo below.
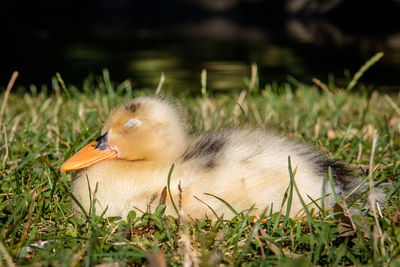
(225, 46)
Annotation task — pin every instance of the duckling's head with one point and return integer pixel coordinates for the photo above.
(144, 129)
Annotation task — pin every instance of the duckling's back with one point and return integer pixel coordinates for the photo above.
(246, 167)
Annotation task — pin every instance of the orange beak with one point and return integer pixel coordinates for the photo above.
(90, 154)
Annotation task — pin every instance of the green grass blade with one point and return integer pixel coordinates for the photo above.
(225, 203)
(363, 69)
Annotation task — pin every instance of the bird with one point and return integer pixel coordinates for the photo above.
(145, 142)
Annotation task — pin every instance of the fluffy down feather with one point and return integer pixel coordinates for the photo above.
(243, 166)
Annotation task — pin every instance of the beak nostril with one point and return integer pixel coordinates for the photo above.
(102, 142)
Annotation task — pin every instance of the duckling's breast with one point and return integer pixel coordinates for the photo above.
(117, 186)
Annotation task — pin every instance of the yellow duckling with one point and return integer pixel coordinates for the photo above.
(129, 165)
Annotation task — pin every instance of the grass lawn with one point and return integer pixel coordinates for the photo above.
(42, 127)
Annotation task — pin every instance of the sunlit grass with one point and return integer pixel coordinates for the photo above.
(40, 129)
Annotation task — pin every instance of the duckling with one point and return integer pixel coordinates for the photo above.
(127, 167)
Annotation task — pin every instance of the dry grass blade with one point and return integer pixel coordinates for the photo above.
(204, 83)
(28, 224)
(256, 237)
(189, 258)
(321, 85)
(253, 78)
(78, 256)
(160, 84)
(6, 255)
(6, 94)
(391, 102)
(110, 264)
(372, 199)
(347, 213)
(274, 248)
(6, 146)
(238, 106)
(163, 197)
(156, 260)
(396, 216)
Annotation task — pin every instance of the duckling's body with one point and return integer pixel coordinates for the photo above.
(244, 167)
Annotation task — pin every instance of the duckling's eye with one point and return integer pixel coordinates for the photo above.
(132, 122)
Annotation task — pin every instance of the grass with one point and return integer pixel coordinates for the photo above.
(42, 127)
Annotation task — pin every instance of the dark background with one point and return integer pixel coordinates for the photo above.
(138, 40)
